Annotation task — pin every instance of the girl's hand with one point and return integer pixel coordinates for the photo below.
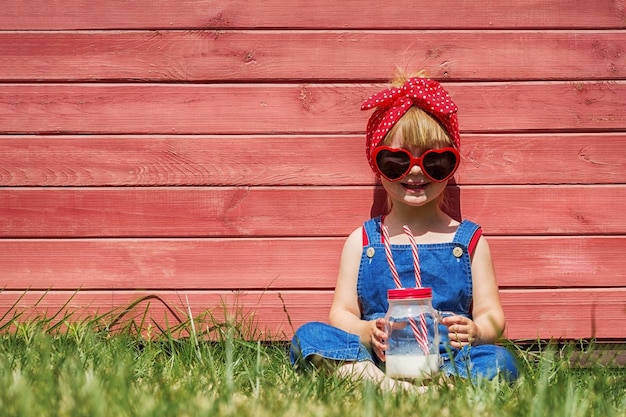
(378, 338)
(461, 331)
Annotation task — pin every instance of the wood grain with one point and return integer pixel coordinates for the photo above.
(564, 314)
(303, 14)
(554, 314)
(292, 211)
(184, 160)
(287, 108)
(221, 160)
(207, 155)
(306, 56)
(277, 263)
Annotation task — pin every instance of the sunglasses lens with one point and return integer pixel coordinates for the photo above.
(439, 165)
(393, 165)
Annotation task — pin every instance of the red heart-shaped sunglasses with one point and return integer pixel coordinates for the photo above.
(394, 164)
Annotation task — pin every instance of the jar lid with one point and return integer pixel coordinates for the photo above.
(402, 293)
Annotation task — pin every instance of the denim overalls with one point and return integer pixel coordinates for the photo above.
(446, 268)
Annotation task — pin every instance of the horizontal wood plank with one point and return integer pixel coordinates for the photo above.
(553, 314)
(577, 261)
(564, 314)
(102, 264)
(182, 160)
(277, 264)
(310, 55)
(279, 211)
(543, 159)
(406, 14)
(287, 108)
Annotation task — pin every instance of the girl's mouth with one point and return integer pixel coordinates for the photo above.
(415, 187)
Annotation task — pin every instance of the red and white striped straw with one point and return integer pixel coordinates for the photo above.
(392, 265)
(423, 338)
(421, 334)
(416, 259)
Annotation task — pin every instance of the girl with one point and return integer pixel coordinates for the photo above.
(412, 143)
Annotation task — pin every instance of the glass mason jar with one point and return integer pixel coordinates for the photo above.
(413, 334)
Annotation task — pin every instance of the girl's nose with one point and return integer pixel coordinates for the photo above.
(415, 170)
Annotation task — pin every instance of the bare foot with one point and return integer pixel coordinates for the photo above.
(368, 371)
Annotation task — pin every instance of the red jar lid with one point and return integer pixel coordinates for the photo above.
(403, 293)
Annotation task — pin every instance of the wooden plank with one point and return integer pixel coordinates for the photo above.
(550, 211)
(183, 160)
(543, 159)
(269, 312)
(564, 314)
(310, 55)
(286, 108)
(557, 261)
(174, 160)
(277, 264)
(531, 314)
(278, 211)
(406, 14)
(169, 264)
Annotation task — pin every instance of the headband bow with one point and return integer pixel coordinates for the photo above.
(392, 103)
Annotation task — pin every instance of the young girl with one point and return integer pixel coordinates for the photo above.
(412, 143)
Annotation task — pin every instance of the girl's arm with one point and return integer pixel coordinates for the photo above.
(345, 312)
(487, 324)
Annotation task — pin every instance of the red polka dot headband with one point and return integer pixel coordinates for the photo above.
(392, 103)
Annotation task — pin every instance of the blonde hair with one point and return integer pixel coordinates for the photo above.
(419, 130)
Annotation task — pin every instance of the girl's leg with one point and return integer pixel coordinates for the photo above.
(326, 347)
(327, 342)
(484, 361)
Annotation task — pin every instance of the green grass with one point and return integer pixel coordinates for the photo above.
(82, 369)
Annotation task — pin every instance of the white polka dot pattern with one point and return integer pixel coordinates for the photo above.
(392, 103)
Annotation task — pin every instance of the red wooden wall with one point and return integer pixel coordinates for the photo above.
(210, 153)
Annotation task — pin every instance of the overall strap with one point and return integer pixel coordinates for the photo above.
(371, 231)
(468, 234)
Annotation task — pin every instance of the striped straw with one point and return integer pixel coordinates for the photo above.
(421, 334)
(416, 259)
(392, 265)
